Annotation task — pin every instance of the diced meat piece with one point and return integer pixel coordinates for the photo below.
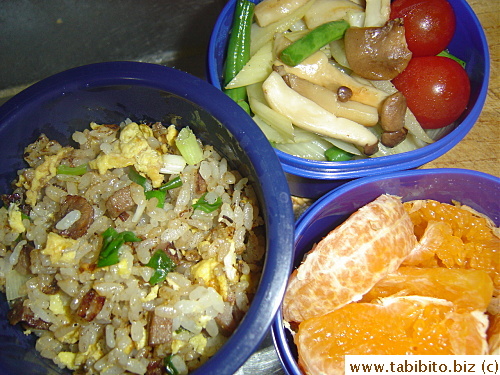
(23, 265)
(160, 330)
(23, 314)
(229, 319)
(90, 306)
(155, 368)
(119, 202)
(79, 227)
(51, 288)
(200, 184)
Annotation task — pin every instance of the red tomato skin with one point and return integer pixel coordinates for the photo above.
(429, 24)
(436, 88)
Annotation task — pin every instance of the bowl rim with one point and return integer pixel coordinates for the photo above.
(323, 170)
(277, 207)
(278, 331)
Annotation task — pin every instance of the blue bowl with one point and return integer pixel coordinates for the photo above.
(112, 92)
(312, 179)
(475, 189)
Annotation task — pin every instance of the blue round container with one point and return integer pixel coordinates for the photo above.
(110, 93)
(311, 179)
(475, 189)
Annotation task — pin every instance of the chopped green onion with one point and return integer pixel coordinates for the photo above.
(188, 146)
(24, 216)
(158, 194)
(162, 264)
(169, 366)
(73, 171)
(112, 242)
(205, 206)
(172, 184)
(139, 179)
(445, 53)
(337, 154)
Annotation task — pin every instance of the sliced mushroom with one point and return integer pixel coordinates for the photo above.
(392, 112)
(267, 12)
(392, 139)
(310, 116)
(361, 113)
(317, 69)
(377, 53)
(83, 216)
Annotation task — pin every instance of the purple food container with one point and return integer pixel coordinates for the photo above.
(311, 179)
(111, 92)
(475, 189)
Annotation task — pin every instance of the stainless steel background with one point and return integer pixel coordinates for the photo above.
(39, 38)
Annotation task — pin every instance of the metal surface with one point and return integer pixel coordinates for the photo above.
(40, 38)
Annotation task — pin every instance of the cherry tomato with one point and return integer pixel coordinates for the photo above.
(436, 88)
(429, 24)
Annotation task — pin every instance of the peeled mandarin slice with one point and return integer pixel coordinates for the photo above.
(454, 236)
(468, 289)
(494, 335)
(393, 325)
(352, 258)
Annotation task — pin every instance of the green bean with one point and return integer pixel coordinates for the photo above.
(238, 51)
(301, 49)
(337, 154)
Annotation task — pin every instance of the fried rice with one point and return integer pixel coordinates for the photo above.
(176, 281)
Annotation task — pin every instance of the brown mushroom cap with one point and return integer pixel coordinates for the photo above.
(392, 139)
(392, 112)
(378, 53)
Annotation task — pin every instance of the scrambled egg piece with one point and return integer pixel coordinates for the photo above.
(172, 133)
(204, 270)
(132, 148)
(56, 304)
(55, 246)
(15, 218)
(199, 342)
(74, 360)
(142, 342)
(152, 294)
(177, 345)
(67, 359)
(43, 173)
(124, 269)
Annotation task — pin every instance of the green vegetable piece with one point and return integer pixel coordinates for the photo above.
(169, 366)
(73, 171)
(301, 49)
(337, 154)
(112, 242)
(238, 50)
(172, 184)
(158, 194)
(205, 206)
(446, 53)
(139, 179)
(162, 264)
(188, 146)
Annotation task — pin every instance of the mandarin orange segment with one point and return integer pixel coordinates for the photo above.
(454, 237)
(353, 257)
(394, 325)
(494, 335)
(468, 289)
